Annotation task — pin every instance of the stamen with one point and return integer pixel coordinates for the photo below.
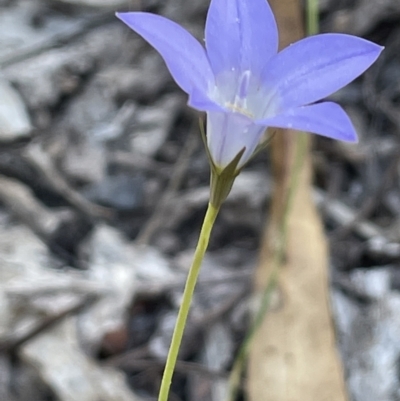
(244, 84)
(243, 89)
(235, 107)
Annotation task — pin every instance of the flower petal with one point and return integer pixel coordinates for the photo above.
(315, 67)
(228, 133)
(223, 36)
(183, 54)
(259, 34)
(240, 35)
(326, 119)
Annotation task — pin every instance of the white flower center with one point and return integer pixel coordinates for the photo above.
(239, 104)
(244, 94)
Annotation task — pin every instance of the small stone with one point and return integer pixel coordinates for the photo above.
(14, 119)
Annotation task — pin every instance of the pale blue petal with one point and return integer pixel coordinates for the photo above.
(315, 67)
(198, 101)
(228, 133)
(259, 34)
(183, 54)
(326, 119)
(240, 35)
(222, 36)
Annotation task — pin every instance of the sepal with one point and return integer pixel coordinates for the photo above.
(222, 180)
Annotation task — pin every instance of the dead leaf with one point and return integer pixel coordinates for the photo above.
(293, 354)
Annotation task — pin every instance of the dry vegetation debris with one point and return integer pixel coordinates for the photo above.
(102, 188)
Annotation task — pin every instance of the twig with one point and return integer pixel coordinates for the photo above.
(43, 162)
(43, 45)
(222, 310)
(370, 203)
(343, 215)
(177, 175)
(151, 289)
(17, 339)
(128, 361)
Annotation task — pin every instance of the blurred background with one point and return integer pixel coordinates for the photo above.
(103, 187)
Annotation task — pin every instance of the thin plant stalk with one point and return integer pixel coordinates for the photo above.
(208, 223)
(278, 256)
(312, 23)
(312, 28)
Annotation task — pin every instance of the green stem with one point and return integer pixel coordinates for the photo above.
(277, 260)
(312, 28)
(312, 22)
(208, 223)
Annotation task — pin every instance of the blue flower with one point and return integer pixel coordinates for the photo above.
(244, 85)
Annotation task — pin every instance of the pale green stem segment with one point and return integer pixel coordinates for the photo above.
(277, 260)
(312, 17)
(208, 223)
(312, 25)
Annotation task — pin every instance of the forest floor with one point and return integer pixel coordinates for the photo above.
(103, 187)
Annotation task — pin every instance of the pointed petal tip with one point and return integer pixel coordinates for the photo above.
(376, 49)
(349, 136)
(353, 137)
(128, 17)
(121, 15)
(364, 47)
(380, 49)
